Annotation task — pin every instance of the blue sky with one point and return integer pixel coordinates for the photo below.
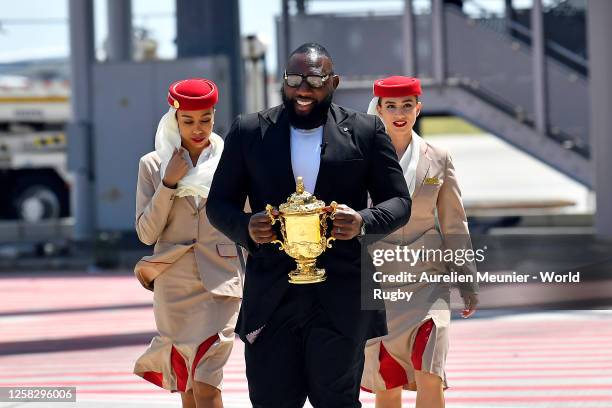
(39, 29)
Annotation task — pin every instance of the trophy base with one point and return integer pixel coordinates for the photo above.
(307, 273)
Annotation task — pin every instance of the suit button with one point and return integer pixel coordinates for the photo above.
(193, 241)
(195, 214)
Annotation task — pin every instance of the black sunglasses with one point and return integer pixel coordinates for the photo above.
(314, 81)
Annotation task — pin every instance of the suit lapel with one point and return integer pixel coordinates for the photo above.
(277, 149)
(422, 168)
(277, 142)
(336, 133)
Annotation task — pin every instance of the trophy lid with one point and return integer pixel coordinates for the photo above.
(301, 201)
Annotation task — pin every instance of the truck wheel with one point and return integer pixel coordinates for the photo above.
(36, 203)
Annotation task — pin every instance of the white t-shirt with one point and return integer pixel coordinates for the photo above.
(306, 155)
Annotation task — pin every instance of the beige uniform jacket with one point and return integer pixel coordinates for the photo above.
(176, 225)
(437, 193)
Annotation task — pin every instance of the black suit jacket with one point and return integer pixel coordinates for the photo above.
(357, 158)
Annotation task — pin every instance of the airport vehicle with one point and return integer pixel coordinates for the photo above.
(33, 173)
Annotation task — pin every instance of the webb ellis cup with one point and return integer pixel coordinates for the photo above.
(303, 225)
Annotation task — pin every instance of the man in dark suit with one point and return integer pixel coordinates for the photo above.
(307, 340)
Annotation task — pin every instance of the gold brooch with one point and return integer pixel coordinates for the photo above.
(176, 104)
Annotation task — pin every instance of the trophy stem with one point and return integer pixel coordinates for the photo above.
(307, 272)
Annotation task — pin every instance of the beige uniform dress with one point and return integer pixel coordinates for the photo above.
(197, 283)
(418, 329)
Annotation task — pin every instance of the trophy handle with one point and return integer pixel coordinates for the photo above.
(334, 206)
(273, 220)
(269, 209)
(282, 246)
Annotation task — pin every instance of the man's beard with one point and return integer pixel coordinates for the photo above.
(314, 119)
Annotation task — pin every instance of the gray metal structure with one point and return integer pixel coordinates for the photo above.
(119, 30)
(212, 28)
(539, 66)
(286, 37)
(408, 33)
(438, 41)
(599, 15)
(80, 155)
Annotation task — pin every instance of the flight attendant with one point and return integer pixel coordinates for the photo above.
(412, 356)
(193, 272)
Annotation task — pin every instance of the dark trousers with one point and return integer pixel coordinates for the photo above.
(300, 354)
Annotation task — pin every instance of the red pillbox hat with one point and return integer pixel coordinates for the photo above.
(397, 86)
(193, 94)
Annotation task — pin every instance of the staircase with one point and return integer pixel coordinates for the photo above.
(493, 71)
(488, 77)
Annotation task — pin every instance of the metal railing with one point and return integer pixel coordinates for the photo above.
(492, 63)
(447, 46)
(505, 25)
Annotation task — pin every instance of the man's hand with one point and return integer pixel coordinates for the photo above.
(260, 227)
(347, 223)
(471, 301)
(176, 169)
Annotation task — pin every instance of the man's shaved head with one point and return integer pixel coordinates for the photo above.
(313, 50)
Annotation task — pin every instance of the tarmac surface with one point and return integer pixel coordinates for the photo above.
(86, 330)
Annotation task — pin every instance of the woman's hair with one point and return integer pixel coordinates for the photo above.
(380, 99)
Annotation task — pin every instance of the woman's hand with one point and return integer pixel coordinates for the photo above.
(471, 301)
(176, 170)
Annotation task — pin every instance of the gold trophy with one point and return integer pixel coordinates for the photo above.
(303, 221)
